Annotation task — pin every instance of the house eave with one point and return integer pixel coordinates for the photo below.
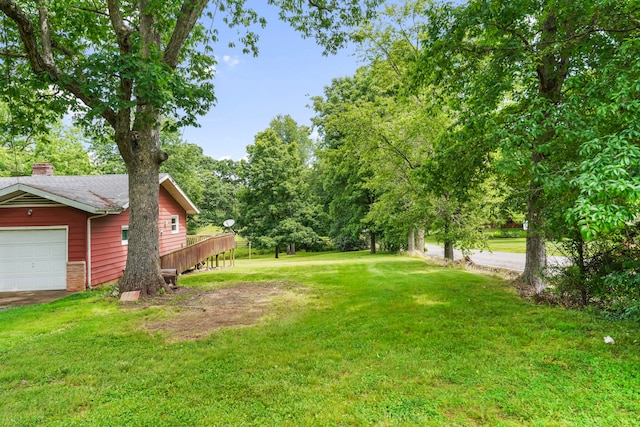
(176, 192)
(56, 198)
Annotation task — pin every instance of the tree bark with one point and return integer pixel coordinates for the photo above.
(420, 243)
(277, 251)
(142, 270)
(551, 72)
(372, 242)
(536, 255)
(411, 244)
(448, 250)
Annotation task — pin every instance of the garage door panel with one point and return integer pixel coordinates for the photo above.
(33, 259)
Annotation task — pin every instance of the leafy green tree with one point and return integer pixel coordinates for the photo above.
(186, 163)
(277, 208)
(506, 65)
(290, 132)
(342, 169)
(222, 185)
(129, 63)
(393, 140)
(59, 145)
(608, 165)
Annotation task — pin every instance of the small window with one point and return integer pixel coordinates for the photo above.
(124, 234)
(175, 222)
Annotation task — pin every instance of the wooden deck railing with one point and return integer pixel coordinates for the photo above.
(198, 249)
(192, 240)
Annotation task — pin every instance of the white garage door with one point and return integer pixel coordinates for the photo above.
(33, 260)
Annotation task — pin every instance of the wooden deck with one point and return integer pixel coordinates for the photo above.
(200, 249)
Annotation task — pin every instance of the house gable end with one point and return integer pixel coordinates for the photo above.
(9, 194)
(23, 199)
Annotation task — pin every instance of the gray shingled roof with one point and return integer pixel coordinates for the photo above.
(96, 193)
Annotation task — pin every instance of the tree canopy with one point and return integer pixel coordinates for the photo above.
(127, 64)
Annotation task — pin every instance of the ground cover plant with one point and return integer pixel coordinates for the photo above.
(340, 339)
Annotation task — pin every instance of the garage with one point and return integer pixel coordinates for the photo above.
(33, 259)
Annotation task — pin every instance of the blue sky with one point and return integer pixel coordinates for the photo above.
(251, 91)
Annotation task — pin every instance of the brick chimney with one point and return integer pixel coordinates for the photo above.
(44, 168)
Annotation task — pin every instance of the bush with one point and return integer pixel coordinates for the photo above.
(510, 233)
(348, 243)
(603, 273)
(323, 244)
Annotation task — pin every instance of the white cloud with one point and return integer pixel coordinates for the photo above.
(230, 61)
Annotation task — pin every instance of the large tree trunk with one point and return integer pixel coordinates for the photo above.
(277, 251)
(536, 255)
(551, 72)
(448, 250)
(411, 244)
(142, 270)
(140, 149)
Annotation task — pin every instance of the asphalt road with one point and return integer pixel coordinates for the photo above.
(506, 260)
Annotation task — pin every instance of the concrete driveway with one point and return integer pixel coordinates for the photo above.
(16, 299)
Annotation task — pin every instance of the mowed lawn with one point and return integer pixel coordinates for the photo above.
(365, 341)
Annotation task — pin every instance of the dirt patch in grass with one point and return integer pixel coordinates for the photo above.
(197, 313)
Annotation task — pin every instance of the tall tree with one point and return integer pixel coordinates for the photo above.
(393, 138)
(507, 65)
(277, 208)
(127, 63)
(290, 132)
(344, 172)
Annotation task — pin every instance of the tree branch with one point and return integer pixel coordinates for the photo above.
(123, 32)
(27, 34)
(45, 36)
(190, 12)
(66, 51)
(395, 149)
(40, 65)
(8, 54)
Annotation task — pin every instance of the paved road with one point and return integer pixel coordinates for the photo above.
(506, 260)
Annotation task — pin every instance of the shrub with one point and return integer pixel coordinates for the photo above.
(603, 273)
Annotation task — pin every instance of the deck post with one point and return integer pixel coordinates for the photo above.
(217, 260)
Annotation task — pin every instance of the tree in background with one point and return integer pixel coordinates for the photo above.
(277, 207)
(506, 65)
(342, 170)
(290, 132)
(381, 139)
(128, 64)
(61, 146)
(222, 184)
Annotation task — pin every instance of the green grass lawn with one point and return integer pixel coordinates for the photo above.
(376, 340)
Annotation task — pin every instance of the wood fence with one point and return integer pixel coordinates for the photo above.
(199, 249)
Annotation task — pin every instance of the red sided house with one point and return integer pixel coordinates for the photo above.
(71, 232)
